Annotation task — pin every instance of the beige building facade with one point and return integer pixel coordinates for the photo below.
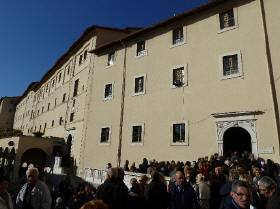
(193, 85)
(7, 112)
(202, 82)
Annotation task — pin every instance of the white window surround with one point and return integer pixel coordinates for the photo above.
(180, 43)
(142, 135)
(144, 85)
(109, 140)
(239, 60)
(186, 143)
(228, 28)
(185, 75)
(110, 97)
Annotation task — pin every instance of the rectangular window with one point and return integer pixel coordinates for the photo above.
(45, 126)
(60, 121)
(139, 85)
(178, 77)
(178, 36)
(71, 117)
(136, 134)
(179, 133)
(81, 59)
(64, 97)
(226, 19)
(59, 77)
(52, 123)
(49, 104)
(230, 65)
(76, 86)
(105, 134)
(55, 102)
(85, 55)
(42, 109)
(53, 83)
(111, 59)
(108, 91)
(141, 48)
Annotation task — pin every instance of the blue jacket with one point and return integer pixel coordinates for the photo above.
(184, 199)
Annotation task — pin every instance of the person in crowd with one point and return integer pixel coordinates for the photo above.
(190, 177)
(113, 191)
(202, 169)
(125, 167)
(5, 197)
(182, 194)
(226, 189)
(136, 199)
(95, 204)
(268, 188)
(143, 182)
(156, 195)
(132, 167)
(204, 192)
(240, 194)
(34, 194)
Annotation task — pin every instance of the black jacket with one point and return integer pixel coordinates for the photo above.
(114, 193)
(156, 195)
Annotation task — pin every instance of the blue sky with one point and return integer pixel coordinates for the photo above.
(35, 33)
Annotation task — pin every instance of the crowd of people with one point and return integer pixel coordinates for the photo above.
(238, 181)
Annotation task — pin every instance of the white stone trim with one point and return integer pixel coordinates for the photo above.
(185, 66)
(144, 85)
(142, 135)
(109, 140)
(239, 60)
(186, 143)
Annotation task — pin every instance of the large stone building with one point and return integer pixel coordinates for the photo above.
(201, 82)
(7, 112)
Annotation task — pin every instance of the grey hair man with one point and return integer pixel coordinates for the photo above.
(268, 188)
(34, 193)
(240, 194)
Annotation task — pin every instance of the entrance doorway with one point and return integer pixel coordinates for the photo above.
(34, 156)
(236, 139)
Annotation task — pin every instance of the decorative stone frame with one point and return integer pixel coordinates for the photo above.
(71, 132)
(245, 120)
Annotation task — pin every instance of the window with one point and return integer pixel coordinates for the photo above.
(42, 109)
(53, 83)
(85, 55)
(111, 59)
(76, 88)
(80, 59)
(137, 134)
(49, 104)
(52, 123)
(179, 133)
(60, 121)
(45, 126)
(71, 117)
(105, 135)
(231, 65)
(55, 102)
(178, 36)
(59, 77)
(74, 102)
(139, 85)
(141, 49)
(227, 19)
(64, 97)
(179, 76)
(68, 70)
(108, 94)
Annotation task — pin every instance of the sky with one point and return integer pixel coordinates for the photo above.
(34, 34)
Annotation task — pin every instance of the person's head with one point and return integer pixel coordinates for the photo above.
(233, 175)
(143, 179)
(95, 204)
(218, 170)
(240, 193)
(200, 178)
(4, 183)
(179, 177)
(133, 181)
(32, 175)
(267, 186)
(246, 177)
(257, 172)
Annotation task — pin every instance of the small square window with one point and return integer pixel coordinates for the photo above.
(179, 133)
(111, 59)
(178, 36)
(139, 85)
(108, 91)
(49, 104)
(137, 134)
(230, 65)
(76, 86)
(71, 117)
(226, 19)
(105, 135)
(60, 121)
(178, 77)
(141, 48)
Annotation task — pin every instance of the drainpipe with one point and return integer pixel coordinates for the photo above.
(270, 70)
(122, 109)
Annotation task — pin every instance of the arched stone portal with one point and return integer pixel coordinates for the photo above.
(236, 139)
(35, 156)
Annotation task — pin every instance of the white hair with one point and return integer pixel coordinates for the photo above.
(33, 169)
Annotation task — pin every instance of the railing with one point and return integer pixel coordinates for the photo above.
(98, 176)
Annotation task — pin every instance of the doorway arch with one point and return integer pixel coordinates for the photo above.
(236, 139)
(35, 156)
